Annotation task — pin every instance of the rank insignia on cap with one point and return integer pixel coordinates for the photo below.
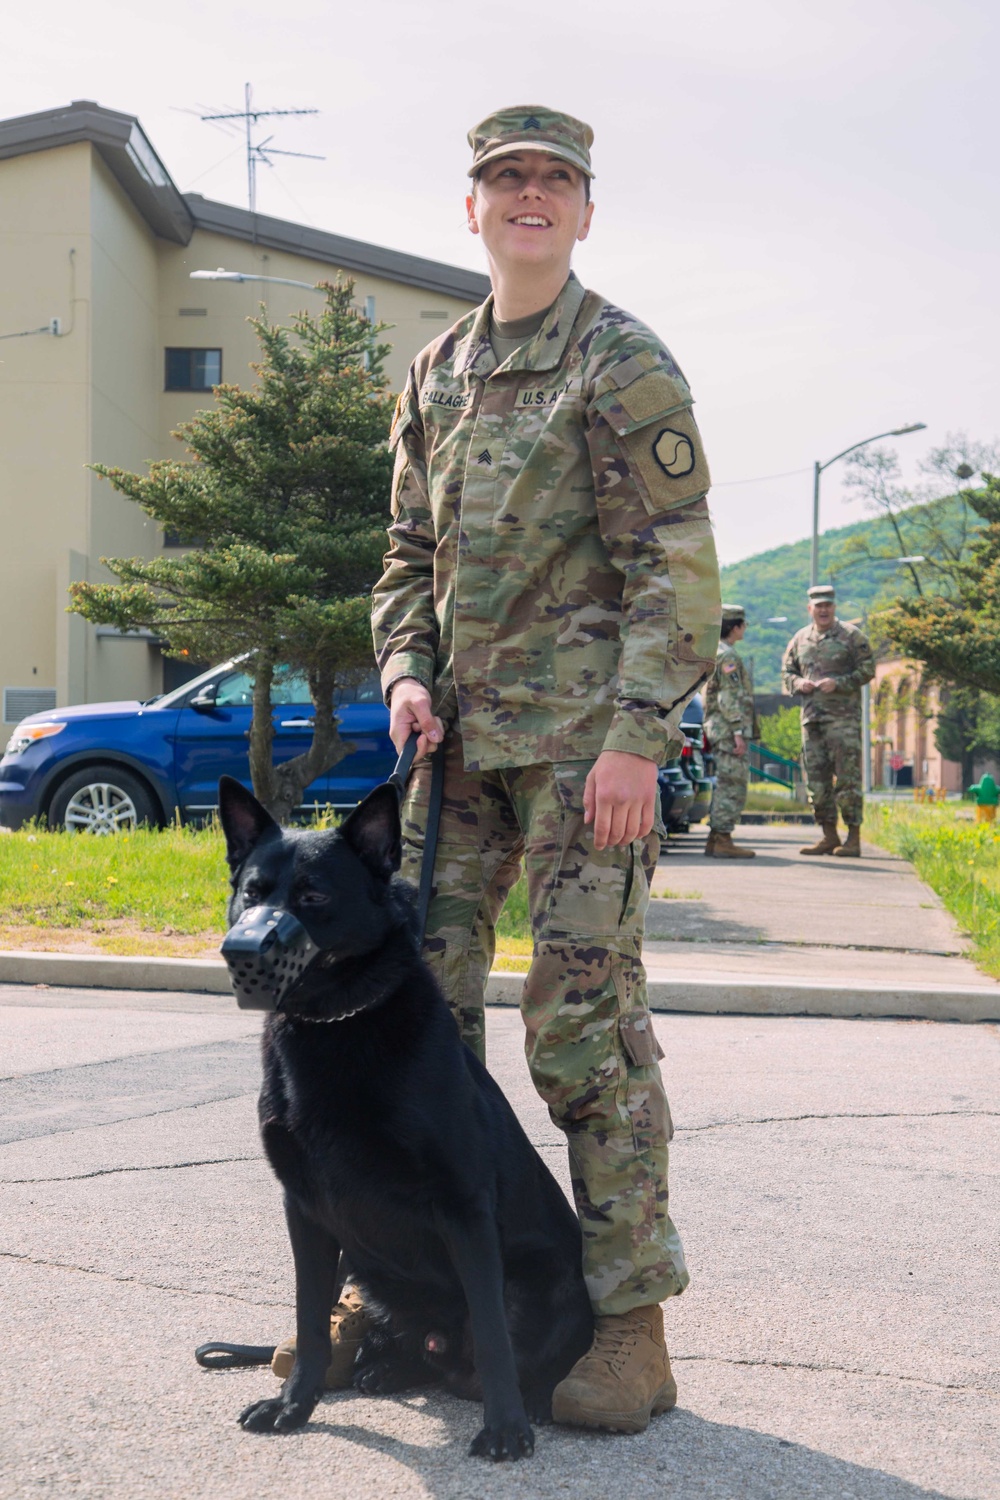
(674, 453)
(532, 123)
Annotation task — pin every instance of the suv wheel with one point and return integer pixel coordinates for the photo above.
(101, 799)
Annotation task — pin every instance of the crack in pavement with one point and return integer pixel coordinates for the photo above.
(886, 1114)
(156, 1286)
(822, 1369)
(719, 1359)
(549, 1145)
(166, 1166)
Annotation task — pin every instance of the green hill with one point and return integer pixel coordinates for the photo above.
(775, 582)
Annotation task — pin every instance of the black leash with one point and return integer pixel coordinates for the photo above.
(398, 779)
(216, 1356)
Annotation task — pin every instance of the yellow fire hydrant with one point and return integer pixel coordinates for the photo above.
(987, 796)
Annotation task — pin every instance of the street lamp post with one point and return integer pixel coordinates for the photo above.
(817, 471)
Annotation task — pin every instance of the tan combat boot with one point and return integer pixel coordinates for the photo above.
(851, 847)
(625, 1378)
(709, 842)
(724, 848)
(350, 1321)
(827, 844)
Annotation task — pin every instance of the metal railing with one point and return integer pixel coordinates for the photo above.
(768, 765)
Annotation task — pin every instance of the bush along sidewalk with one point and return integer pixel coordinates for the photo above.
(959, 860)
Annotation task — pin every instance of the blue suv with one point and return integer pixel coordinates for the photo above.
(101, 767)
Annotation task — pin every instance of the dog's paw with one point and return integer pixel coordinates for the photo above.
(382, 1377)
(275, 1415)
(501, 1440)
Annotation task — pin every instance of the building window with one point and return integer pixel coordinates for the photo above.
(193, 369)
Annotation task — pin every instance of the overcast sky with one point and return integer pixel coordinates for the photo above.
(800, 197)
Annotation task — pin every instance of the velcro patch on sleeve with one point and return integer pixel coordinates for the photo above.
(668, 461)
(655, 394)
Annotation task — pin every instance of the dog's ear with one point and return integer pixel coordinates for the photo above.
(373, 832)
(244, 820)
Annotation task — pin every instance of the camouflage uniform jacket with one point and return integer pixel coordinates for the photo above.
(729, 706)
(842, 652)
(550, 549)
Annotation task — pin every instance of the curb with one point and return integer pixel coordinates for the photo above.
(747, 997)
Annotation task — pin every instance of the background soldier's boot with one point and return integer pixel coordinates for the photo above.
(710, 841)
(827, 844)
(851, 847)
(724, 848)
(624, 1379)
(350, 1321)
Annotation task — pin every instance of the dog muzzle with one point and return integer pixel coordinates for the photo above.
(267, 953)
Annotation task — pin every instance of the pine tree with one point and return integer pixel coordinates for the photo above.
(283, 502)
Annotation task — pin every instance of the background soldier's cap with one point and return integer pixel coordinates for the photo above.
(820, 593)
(530, 127)
(733, 614)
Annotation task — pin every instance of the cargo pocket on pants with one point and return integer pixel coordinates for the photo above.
(647, 1101)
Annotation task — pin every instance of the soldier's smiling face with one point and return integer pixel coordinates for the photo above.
(823, 612)
(530, 208)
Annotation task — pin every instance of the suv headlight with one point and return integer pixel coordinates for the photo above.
(26, 734)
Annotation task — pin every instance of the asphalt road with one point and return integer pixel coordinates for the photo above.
(835, 1182)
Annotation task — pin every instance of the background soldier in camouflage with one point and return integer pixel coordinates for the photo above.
(549, 601)
(730, 722)
(826, 664)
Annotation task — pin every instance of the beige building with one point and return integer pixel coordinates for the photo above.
(106, 344)
(905, 711)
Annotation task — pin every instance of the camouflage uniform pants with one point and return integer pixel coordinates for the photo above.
(831, 759)
(589, 1042)
(729, 795)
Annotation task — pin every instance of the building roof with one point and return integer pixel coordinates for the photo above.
(126, 149)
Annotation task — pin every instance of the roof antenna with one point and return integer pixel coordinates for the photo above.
(261, 151)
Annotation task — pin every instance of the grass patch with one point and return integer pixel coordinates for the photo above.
(959, 860)
(160, 892)
(773, 801)
(169, 882)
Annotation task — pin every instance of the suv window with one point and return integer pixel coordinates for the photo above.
(236, 690)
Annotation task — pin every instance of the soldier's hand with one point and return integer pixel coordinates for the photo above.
(619, 798)
(827, 684)
(808, 686)
(410, 709)
(740, 744)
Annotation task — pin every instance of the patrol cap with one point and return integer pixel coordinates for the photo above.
(733, 614)
(821, 593)
(531, 127)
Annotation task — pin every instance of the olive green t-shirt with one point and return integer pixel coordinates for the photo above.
(510, 335)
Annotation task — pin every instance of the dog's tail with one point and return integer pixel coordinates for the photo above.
(233, 1356)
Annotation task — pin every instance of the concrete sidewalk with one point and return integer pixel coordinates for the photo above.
(790, 918)
(835, 1183)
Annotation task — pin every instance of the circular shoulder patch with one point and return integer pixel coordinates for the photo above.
(674, 452)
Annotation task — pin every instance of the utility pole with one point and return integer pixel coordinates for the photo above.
(260, 151)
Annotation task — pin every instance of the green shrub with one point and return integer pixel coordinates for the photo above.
(959, 860)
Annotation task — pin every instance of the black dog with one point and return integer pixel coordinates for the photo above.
(396, 1147)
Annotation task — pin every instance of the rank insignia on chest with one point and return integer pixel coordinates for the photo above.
(673, 452)
(486, 457)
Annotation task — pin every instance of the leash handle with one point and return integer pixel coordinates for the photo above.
(401, 771)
